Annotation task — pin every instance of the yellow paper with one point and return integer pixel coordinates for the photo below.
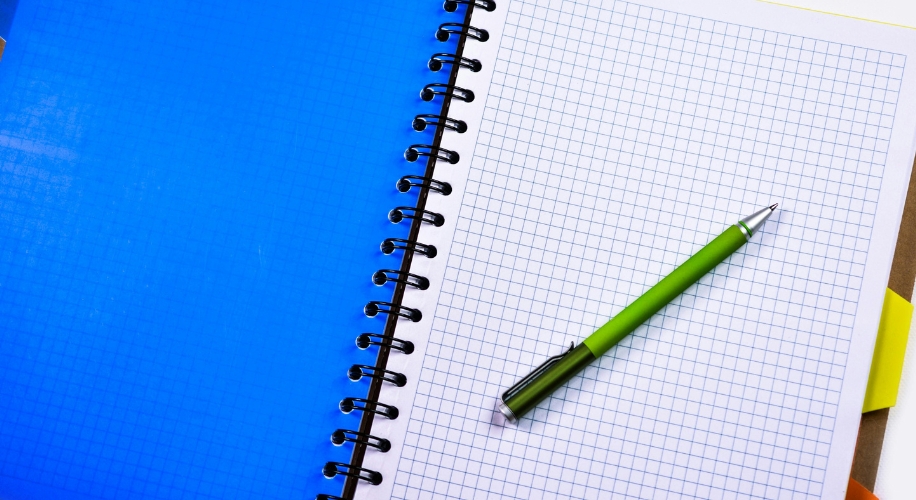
(887, 364)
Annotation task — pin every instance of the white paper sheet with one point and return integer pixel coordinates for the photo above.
(608, 142)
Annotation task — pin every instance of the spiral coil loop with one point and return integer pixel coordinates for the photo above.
(391, 244)
(357, 372)
(375, 307)
(408, 181)
(452, 5)
(414, 152)
(341, 436)
(420, 122)
(383, 276)
(332, 469)
(364, 340)
(431, 90)
(447, 29)
(348, 405)
(437, 60)
(402, 278)
(397, 214)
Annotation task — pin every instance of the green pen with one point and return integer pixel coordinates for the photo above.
(557, 370)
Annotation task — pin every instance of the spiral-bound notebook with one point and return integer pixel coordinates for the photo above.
(587, 148)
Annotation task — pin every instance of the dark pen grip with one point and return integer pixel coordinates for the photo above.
(538, 389)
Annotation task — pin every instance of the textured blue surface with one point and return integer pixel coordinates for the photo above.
(192, 195)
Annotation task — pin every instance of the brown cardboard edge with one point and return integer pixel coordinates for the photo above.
(2, 46)
(903, 268)
(903, 273)
(868, 447)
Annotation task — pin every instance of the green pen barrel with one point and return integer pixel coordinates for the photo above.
(634, 315)
(529, 396)
(665, 291)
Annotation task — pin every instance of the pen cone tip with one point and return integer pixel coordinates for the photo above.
(773, 206)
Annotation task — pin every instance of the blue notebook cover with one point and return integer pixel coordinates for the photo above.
(7, 12)
(192, 197)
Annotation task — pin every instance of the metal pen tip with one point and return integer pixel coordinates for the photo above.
(506, 411)
(773, 206)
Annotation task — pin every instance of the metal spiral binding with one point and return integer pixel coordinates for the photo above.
(397, 214)
(402, 278)
(452, 5)
(420, 122)
(408, 181)
(367, 339)
(446, 30)
(437, 60)
(348, 405)
(415, 151)
(332, 469)
(357, 372)
(376, 307)
(431, 90)
(409, 246)
(341, 436)
(383, 276)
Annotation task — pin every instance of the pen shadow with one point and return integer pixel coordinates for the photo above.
(497, 420)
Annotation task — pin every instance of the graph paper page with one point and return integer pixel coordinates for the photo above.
(608, 143)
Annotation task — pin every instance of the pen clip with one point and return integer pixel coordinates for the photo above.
(518, 386)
